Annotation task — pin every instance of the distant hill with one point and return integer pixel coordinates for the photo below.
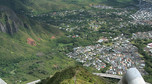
(41, 6)
(16, 5)
(75, 75)
(51, 5)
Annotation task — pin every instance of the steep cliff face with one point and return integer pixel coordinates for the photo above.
(9, 22)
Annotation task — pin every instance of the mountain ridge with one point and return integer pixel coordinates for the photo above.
(10, 22)
(75, 75)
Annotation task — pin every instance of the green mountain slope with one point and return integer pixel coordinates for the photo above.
(9, 22)
(75, 75)
(16, 5)
(39, 6)
(27, 51)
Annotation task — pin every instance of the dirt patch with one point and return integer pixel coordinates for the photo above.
(30, 41)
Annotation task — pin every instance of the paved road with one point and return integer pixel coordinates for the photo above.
(108, 75)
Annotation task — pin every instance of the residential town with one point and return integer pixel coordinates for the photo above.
(120, 54)
(144, 15)
(73, 20)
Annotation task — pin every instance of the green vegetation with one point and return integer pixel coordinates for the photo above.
(23, 62)
(76, 75)
(141, 44)
(49, 5)
(16, 5)
(121, 3)
(41, 6)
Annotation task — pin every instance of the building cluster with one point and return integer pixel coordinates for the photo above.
(121, 55)
(73, 20)
(102, 6)
(142, 35)
(144, 15)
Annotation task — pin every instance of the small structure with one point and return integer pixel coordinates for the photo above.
(102, 40)
(149, 45)
(30, 41)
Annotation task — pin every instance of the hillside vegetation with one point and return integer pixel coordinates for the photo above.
(76, 75)
(39, 6)
(24, 61)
